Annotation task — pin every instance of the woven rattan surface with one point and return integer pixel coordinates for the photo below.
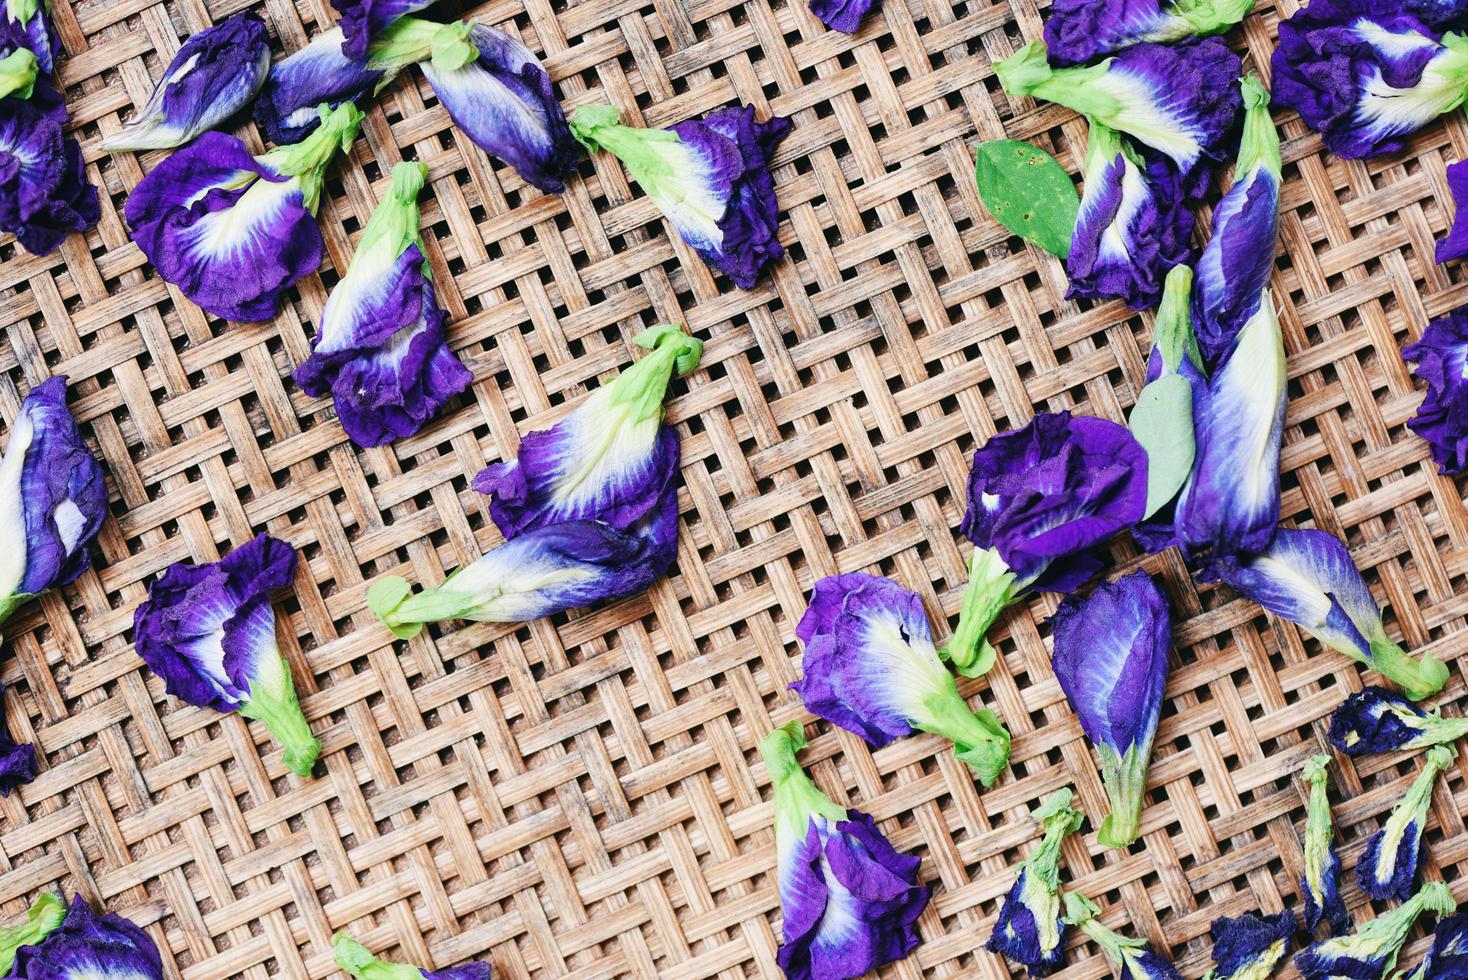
(582, 797)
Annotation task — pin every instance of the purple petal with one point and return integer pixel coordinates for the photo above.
(1017, 933)
(1238, 942)
(1454, 245)
(44, 191)
(1399, 865)
(90, 945)
(361, 20)
(842, 15)
(17, 760)
(1441, 357)
(1235, 266)
(464, 971)
(318, 73)
(1371, 720)
(40, 35)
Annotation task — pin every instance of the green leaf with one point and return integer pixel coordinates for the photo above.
(1162, 421)
(1028, 192)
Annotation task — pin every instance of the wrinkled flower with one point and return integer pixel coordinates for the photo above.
(362, 20)
(355, 960)
(53, 498)
(1441, 357)
(17, 760)
(1080, 31)
(33, 20)
(1367, 74)
(842, 15)
(1370, 953)
(381, 349)
(710, 177)
(1233, 272)
(1132, 227)
(1041, 500)
(1137, 960)
(85, 946)
(1447, 957)
(870, 667)
(1250, 946)
(496, 91)
(1320, 884)
(1376, 720)
(610, 460)
(850, 902)
(1388, 867)
(1308, 578)
(233, 231)
(1182, 99)
(209, 631)
(216, 73)
(1030, 929)
(44, 191)
(1111, 660)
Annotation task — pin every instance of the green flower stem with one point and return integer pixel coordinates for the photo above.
(18, 71)
(650, 155)
(354, 959)
(643, 386)
(274, 703)
(396, 217)
(1434, 728)
(1318, 829)
(1410, 813)
(409, 40)
(1388, 931)
(21, 10)
(1125, 778)
(1082, 913)
(308, 159)
(1028, 72)
(43, 918)
(979, 738)
(1173, 333)
(990, 591)
(797, 797)
(1059, 820)
(1419, 678)
(1259, 146)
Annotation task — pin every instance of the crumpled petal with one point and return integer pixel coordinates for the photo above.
(44, 191)
(1377, 720)
(1253, 943)
(1454, 245)
(1080, 31)
(842, 15)
(1441, 357)
(320, 73)
(90, 945)
(17, 759)
(1447, 958)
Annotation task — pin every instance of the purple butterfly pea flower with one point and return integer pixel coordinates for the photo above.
(1388, 867)
(215, 74)
(1111, 660)
(209, 631)
(496, 91)
(355, 960)
(17, 761)
(1234, 269)
(84, 944)
(44, 191)
(842, 15)
(1136, 959)
(1376, 720)
(1132, 227)
(870, 666)
(53, 498)
(362, 20)
(380, 349)
(1447, 957)
(33, 21)
(709, 177)
(1320, 884)
(1366, 73)
(43, 918)
(850, 901)
(1370, 953)
(609, 460)
(234, 231)
(1030, 929)
(1454, 245)
(1182, 99)
(1080, 31)
(1308, 578)
(1249, 945)
(1441, 357)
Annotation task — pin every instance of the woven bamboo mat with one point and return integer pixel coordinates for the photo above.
(582, 797)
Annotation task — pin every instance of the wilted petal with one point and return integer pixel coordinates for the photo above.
(1371, 951)
(1250, 945)
(44, 191)
(1320, 884)
(86, 944)
(1029, 929)
(1389, 865)
(1080, 31)
(1441, 357)
(354, 959)
(1454, 245)
(1376, 720)
(842, 15)
(1447, 958)
(17, 760)
(318, 74)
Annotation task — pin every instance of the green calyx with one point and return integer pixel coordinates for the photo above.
(273, 702)
(356, 960)
(1259, 146)
(1082, 913)
(43, 918)
(396, 217)
(1207, 17)
(1125, 778)
(989, 592)
(11, 603)
(1419, 678)
(642, 151)
(1387, 932)
(643, 386)
(1318, 830)
(1432, 727)
(1173, 334)
(22, 10)
(393, 602)
(979, 738)
(18, 71)
(308, 159)
(797, 797)
(1028, 72)
(1059, 819)
(410, 40)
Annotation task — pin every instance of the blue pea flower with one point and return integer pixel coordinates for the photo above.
(1135, 958)
(216, 73)
(1447, 957)
(496, 91)
(870, 666)
(1030, 929)
(842, 15)
(1111, 660)
(1250, 946)
(44, 192)
(362, 20)
(355, 960)
(234, 231)
(1388, 867)
(609, 460)
(1080, 31)
(1320, 884)
(1454, 245)
(1376, 720)
(1308, 578)
(53, 498)
(209, 631)
(1370, 953)
(77, 944)
(1441, 359)
(710, 177)
(33, 20)
(380, 348)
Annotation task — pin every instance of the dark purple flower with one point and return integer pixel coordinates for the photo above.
(870, 666)
(44, 191)
(710, 177)
(1454, 245)
(356, 960)
(1442, 362)
(1366, 74)
(362, 20)
(1320, 884)
(17, 760)
(1250, 945)
(209, 632)
(87, 945)
(1447, 957)
(1376, 720)
(233, 231)
(31, 18)
(214, 75)
(1080, 31)
(1030, 929)
(842, 15)
(380, 348)
(1132, 227)
(1389, 865)
(850, 901)
(496, 91)
(1370, 953)
(53, 498)
(609, 460)
(287, 110)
